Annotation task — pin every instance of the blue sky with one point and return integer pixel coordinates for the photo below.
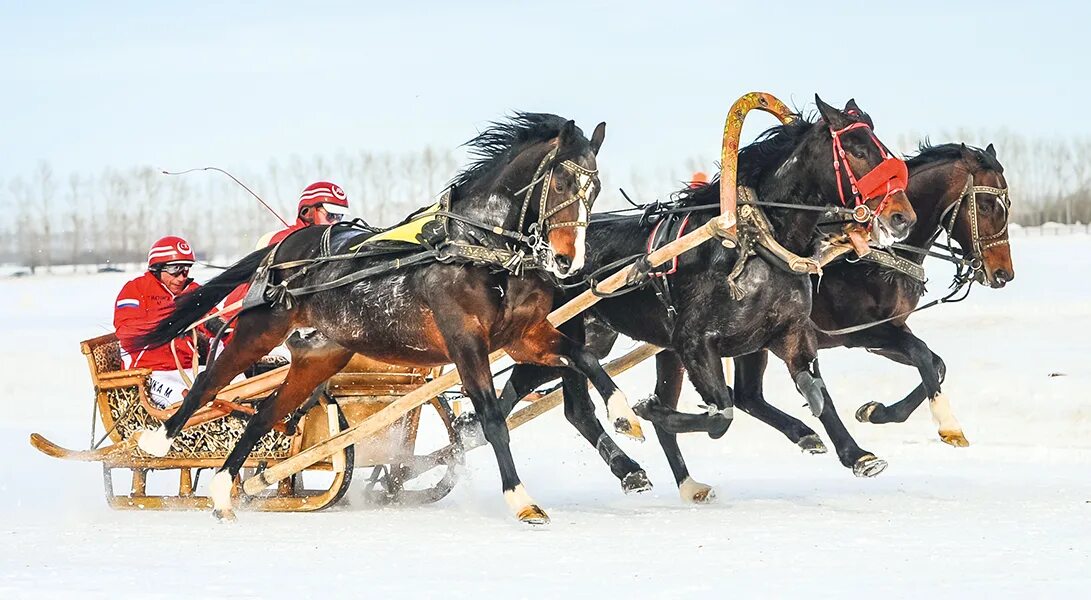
(181, 84)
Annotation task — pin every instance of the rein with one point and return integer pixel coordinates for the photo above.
(531, 246)
(966, 269)
(958, 284)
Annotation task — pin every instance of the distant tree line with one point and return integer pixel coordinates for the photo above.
(112, 216)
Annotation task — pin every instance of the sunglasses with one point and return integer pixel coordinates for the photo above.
(331, 216)
(176, 270)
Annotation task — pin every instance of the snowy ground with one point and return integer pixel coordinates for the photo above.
(1009, 516)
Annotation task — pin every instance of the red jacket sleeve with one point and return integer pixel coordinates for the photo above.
(131, 314)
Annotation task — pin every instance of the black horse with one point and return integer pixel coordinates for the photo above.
(953, 189)
(703, 322)
(525, 203)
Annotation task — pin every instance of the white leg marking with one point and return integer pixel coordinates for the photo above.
(942, 415)
(618, 406)
(517, 499)
(154, 442)
(695, 491)
(220, 491)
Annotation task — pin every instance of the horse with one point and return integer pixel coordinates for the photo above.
(703, 321)
(954, 189)
(964, 193)
(525, 202)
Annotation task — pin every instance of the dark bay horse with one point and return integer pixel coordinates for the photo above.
(961, 190)
(952, 188)
(530, 190)
(789, 164)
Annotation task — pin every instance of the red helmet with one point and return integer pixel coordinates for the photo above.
(171, 249)
(324, 193)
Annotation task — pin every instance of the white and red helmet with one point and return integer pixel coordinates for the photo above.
(325, 194)
(170, 250)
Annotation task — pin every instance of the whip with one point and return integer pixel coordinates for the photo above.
(243, 185)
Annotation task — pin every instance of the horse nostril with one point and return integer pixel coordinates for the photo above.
(899, 220)
(564, 262)
(1003, 275)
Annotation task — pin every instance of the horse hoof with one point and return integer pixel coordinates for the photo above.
(868, 465)
(863, 414)
(718, 425)
(954, 438)
(629, 428)
(636, 482)
(154, 442)
(225, 515)
(812, 444)
(533, 515)
(643, 409)
(696, 492)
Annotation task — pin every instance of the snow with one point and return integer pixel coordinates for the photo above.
(1007, 517)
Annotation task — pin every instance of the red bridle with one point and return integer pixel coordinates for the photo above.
(887, 178)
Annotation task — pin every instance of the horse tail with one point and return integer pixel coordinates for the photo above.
(192, 306)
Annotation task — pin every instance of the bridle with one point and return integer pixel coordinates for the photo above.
(544, 175)
(978, 243)
(885, 179)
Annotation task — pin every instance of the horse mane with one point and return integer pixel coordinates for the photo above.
(501, 141)
(928, 154)
(768, 151)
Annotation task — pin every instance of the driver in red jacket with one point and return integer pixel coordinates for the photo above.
(321, 203)
(145, 300)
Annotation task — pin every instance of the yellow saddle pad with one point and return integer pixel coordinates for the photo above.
(410, 229)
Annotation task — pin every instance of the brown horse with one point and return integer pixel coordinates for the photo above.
(527, 197)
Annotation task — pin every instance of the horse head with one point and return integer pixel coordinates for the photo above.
(864, 173)
(540, 176)
(980, 225)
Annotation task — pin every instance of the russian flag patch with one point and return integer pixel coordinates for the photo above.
(128, 303)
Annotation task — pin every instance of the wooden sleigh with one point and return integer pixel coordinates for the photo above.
(402, 471)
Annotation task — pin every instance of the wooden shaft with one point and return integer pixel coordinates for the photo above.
(426, 392)
(553, 399)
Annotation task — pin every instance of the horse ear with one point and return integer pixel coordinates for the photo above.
(990, 150)
(834, 118)
(598, 136)
(568, 131)
(967, 154)
(853, 109)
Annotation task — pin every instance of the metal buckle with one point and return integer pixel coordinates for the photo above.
(862, 213)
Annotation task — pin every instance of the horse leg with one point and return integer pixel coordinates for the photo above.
(706, 372)
(580, 412)
(750, 398)
(798, 349)
(525, 378)
(544, 344)
(314, 360)
(256, 334)
(668, 388)
(469, 351)
(900, 345)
